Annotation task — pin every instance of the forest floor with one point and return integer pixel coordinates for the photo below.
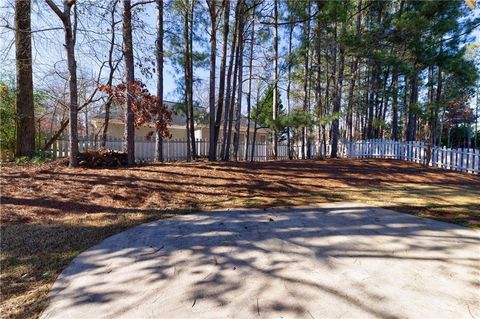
(50, 213)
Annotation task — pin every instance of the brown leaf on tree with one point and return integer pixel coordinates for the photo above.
(145, 106)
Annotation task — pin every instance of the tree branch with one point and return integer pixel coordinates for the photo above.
(142, 3)
(55, 9)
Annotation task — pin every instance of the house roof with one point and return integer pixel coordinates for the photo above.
(178, 119)
(117, 113)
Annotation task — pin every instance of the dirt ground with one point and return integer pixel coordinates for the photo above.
(50, 213)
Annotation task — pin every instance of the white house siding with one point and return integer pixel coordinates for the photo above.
(116, 130)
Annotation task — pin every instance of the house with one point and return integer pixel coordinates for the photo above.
(177, 127)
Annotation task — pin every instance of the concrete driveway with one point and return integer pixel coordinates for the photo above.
(342, 260)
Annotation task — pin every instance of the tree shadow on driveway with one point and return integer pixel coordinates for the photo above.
(339, 260)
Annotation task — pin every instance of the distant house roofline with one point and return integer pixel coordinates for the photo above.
(178, 120)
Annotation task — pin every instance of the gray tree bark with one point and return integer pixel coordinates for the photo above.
(112, 67)
(353, 74)
(187, 75)
(228, 140)
(289, 85)
(221, 88)
(337, 103)
(412, 116)
(190, 79)
(213, 53)
(305, 144)
(238, 110)
(159, 56)
(228, 98)
(395, 105)
(65, 17)
(249, 94)
(25, 130)
(275, 77)
(129, 145)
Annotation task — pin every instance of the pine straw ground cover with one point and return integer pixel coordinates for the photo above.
(50, 213)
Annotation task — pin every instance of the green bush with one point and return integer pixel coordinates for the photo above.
(8, 119)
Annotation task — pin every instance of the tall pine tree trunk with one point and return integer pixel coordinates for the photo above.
(249, 94)
(212, 156)
(437, 131)
(221, 88)
(412, 116)
(371, 103)
(395, 105)
(129, 146)
(25, 130)
(232, 101)
(338, 99)
(318, 86)
(190, 80)
(384, 103)
(306, 101)
(289, 85)
(186, 70)
(275, 77)
(238, 109)
(159, 56)
(353, 74)
(229, 100)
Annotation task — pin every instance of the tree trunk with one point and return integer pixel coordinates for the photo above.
(384, 103)
(338, 98)
(449, 135)
(289, 84)
(254, 139)
(475, 135)
(430, 125)
(72, 75)
(55, 137)
(438, 132)
(319, 106)
(186, 69)
(371, 104)
(228, 98)
(326, 104)
(249, 96)
(25, 130)
(112, 68)
(412, 116)
(275, 77)
(212, 156)
(395, 105)
(129, 145)
(238, 110)
(305, 137)
(159, 56)
(353, 74)
(106, 122)
(353, 71)
(221, 88)
(190, 80)
(234, 86)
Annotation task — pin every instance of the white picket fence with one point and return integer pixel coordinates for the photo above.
(173, 150)
(463, 160)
